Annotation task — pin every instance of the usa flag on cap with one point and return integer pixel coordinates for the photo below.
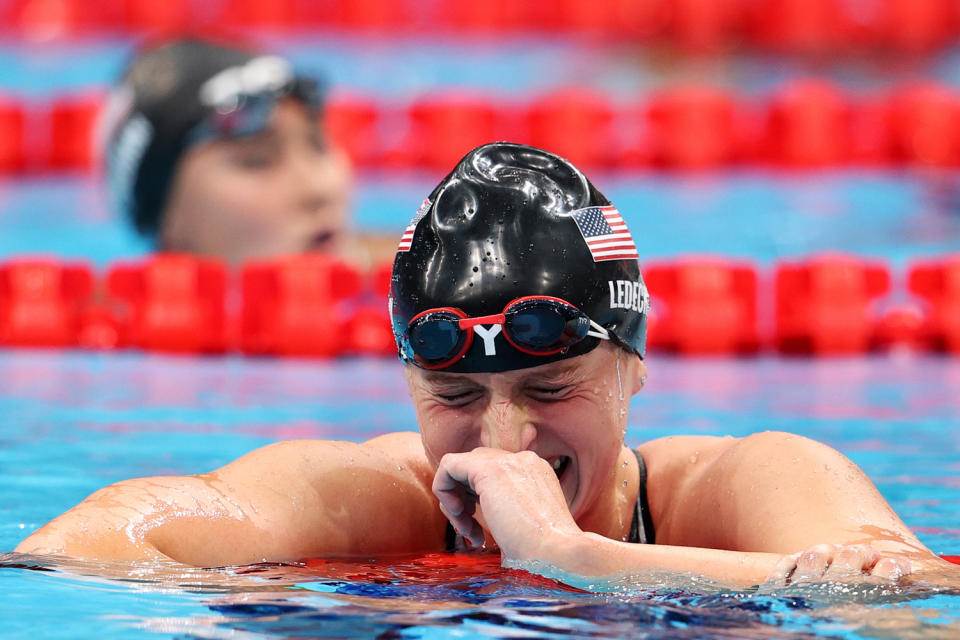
(605, 233)
(407, 238)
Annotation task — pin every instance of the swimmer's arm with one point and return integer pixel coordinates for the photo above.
(594, 556)
(731, 509)
(283, 502)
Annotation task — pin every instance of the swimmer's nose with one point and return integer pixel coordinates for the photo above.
(507, 427)
(317, 192)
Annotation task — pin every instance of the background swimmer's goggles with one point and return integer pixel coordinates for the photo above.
(244, 111)
(538, 325)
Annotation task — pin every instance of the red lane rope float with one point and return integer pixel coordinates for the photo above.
(318, 306)
(12, 133)
(41, 301)
(706, 306)
(293, 306)
(818, 27)
(823, 305)
(938, 284)
(806, 123)
(72, 123)
(172, 303)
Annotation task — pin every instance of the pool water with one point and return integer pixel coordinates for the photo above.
(73, 422)
(762, 216)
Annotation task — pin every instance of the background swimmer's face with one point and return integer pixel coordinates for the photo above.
(571, 413)
(280, 191)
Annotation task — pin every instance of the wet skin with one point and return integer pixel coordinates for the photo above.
(488, 457)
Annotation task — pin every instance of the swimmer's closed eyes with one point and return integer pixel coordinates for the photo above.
(461, 392)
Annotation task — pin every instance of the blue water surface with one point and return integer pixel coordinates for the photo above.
(73, 422)
(892, 215)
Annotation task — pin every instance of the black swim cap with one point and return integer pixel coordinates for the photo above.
(162, 104)
(513, 221)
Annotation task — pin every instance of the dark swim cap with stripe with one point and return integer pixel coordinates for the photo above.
(512, 221)
(176, 95)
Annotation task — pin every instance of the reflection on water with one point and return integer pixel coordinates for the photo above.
(471, 595)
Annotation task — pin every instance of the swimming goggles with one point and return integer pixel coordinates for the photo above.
(537, 325)
(236, 108)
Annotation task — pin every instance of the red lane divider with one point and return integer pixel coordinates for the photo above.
(694, 127)
(926, 125)
(442, 126)
(171, 302)
(902, 326)
(824, 305)
(72, 123)
(808, 125)
(368, 329)
(804, 124)
(294, 306)
(938, 284)
(40, 302)
(818, 27)
(12, 130)
(711, 306)
(321, 307)
(353, 122)
(574, 123)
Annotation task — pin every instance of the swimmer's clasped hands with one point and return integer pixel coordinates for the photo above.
(519, 495)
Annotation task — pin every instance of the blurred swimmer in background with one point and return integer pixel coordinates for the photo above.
(220, 151)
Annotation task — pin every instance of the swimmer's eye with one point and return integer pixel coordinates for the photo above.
(459, 398)
(546, 392)
(259, 159)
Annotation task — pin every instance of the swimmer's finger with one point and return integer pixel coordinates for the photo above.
(853, 560)
(813, 563)
(466, 526)
(456, 470)
(783, 571)
(451, 488)
(892, 569)
(458, 501)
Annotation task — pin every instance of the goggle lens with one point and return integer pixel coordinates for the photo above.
(436, 336)
(243, 114)
(546, 327)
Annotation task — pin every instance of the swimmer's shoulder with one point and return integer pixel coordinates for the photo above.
(405, 448)
(697, 450)
(394, 454)
(667, 455)
(683, 459)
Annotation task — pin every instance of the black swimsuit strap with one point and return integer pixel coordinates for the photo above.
(641, 527)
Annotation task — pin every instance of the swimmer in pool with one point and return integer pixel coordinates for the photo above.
(520, 316)
(218, 151)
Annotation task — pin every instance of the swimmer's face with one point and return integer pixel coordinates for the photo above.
(280, 191)
(571, 413)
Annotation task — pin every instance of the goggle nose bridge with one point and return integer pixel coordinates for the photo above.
(497, 318)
